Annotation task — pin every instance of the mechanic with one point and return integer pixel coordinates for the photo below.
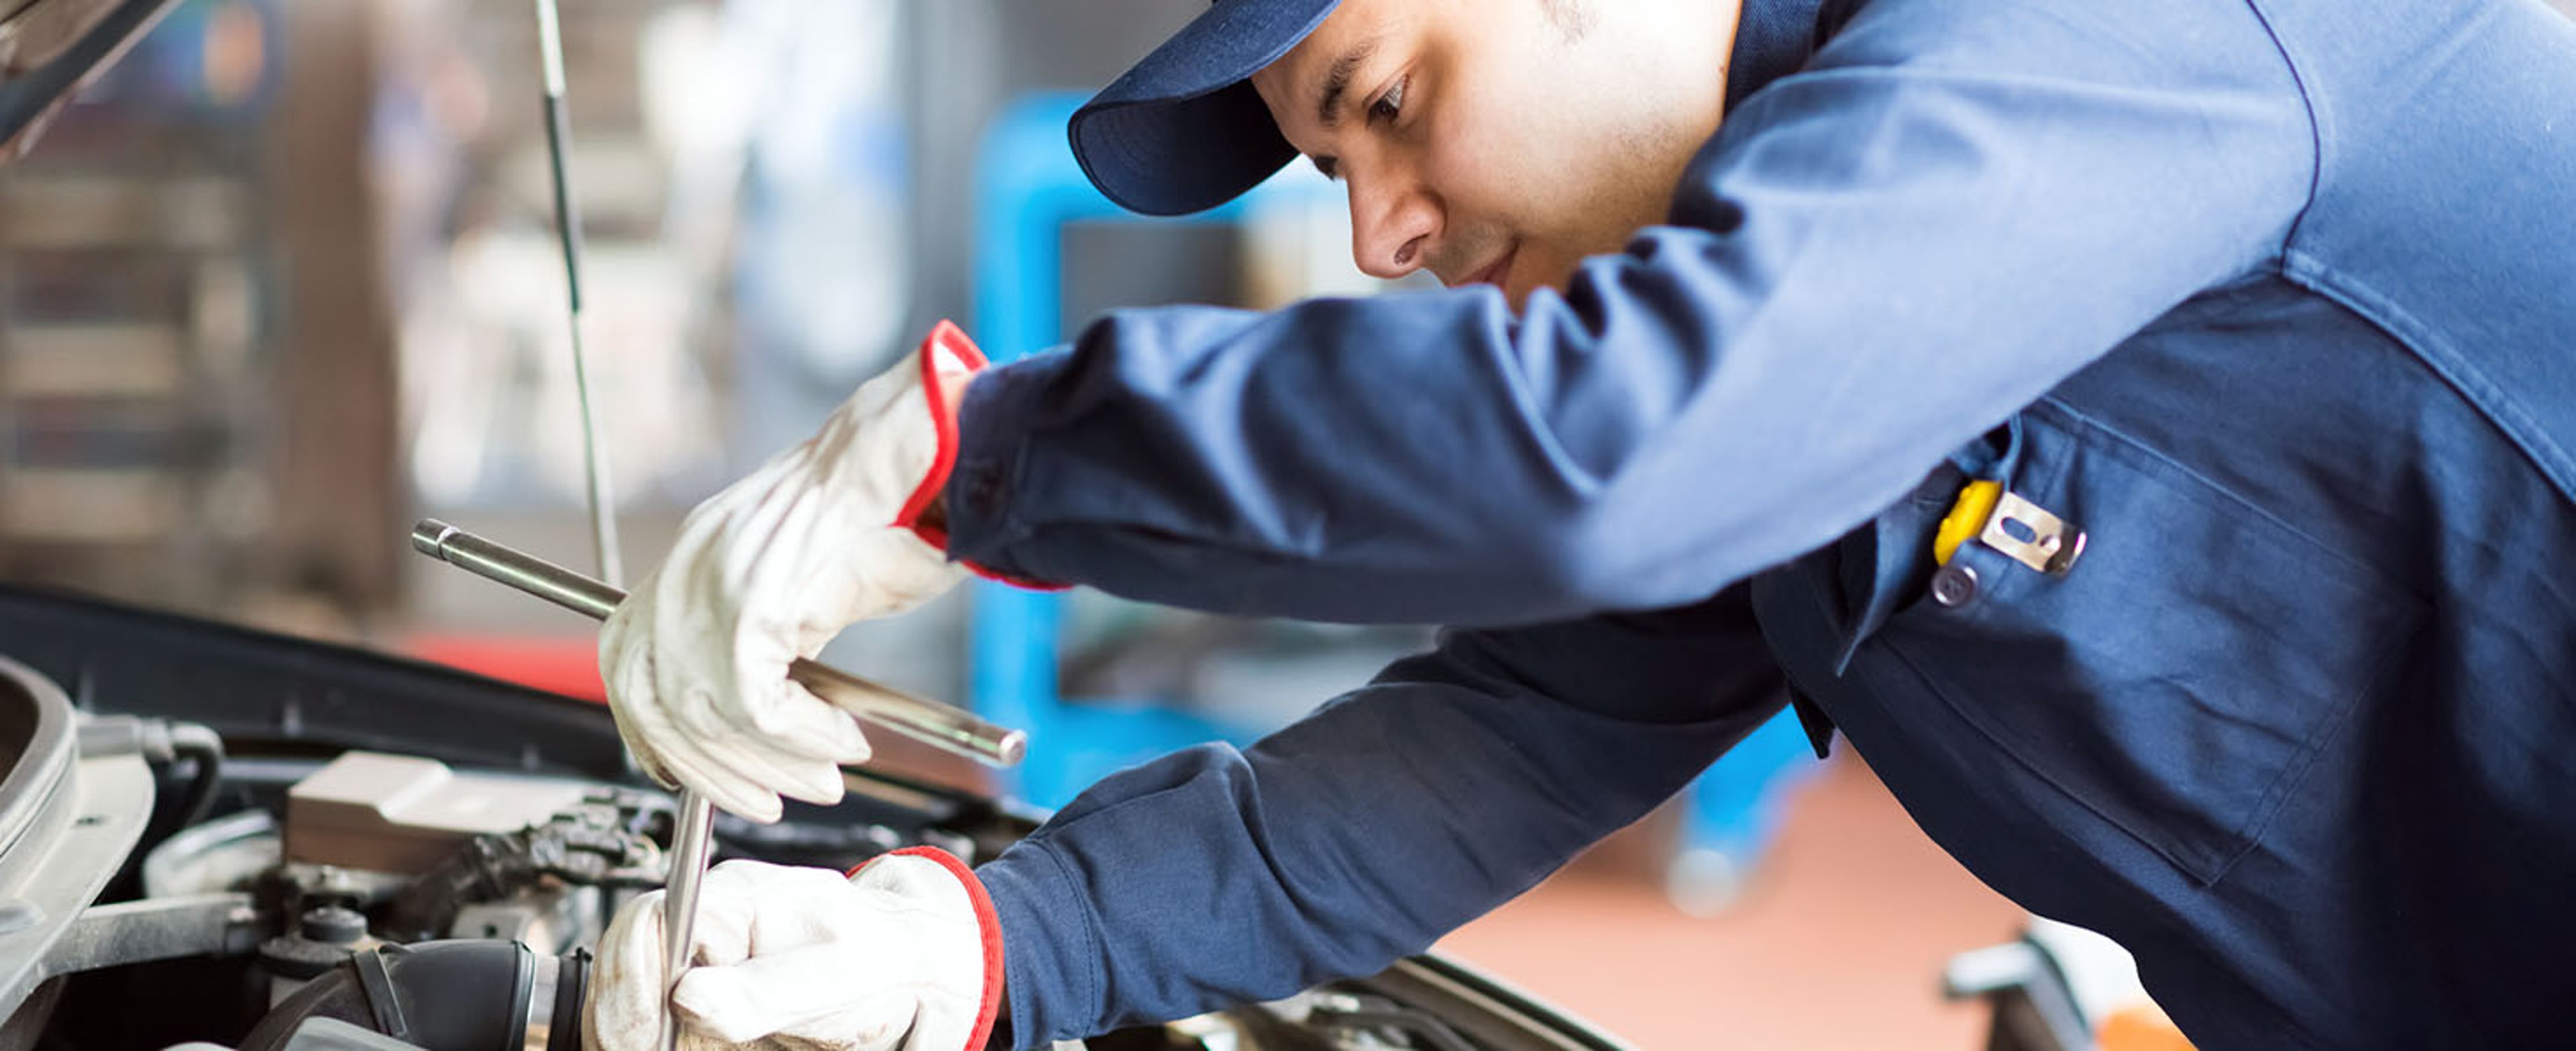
(2256, 654)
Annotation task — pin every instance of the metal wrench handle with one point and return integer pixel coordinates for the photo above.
(689, 850)
(929, 722)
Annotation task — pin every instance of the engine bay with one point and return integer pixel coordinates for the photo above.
(213, 838)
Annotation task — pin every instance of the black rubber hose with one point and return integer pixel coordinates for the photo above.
(440, 996)
(161, 743)
(200, 743)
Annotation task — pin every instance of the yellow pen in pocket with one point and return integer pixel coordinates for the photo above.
(1976, 504)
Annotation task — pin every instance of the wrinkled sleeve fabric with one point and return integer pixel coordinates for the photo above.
(1954, 207)
(1452, 782)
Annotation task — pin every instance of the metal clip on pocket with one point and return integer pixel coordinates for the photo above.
(2023, 531)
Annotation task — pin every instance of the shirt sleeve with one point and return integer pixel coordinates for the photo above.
(1957, 205)
(1454, 781)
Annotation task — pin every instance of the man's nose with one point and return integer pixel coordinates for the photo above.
(1393, 219)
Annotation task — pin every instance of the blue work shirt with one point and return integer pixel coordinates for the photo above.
(2274, 300)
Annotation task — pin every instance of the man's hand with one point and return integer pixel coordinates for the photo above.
(904, 955)
(823, 535)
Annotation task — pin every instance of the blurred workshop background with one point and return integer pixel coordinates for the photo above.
(287, 279)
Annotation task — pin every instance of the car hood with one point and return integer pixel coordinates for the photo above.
(50, 49)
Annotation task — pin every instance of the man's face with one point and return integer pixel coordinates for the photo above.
(1501, 141)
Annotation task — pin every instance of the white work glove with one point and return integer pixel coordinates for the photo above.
(904, 955)
(820, 537)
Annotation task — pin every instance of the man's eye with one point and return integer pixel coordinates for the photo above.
(1390, 105)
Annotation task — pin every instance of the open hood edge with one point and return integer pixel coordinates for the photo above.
(51, 49)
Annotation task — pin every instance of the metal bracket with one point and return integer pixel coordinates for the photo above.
(2052, 545)
(156, 929)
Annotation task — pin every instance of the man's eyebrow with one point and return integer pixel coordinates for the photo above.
(1337, 80)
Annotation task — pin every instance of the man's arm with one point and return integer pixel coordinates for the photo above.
(1958, 205)
(1361, 834)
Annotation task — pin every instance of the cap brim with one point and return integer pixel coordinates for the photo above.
(1183, 130)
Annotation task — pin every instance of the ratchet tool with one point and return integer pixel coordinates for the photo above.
(929, 722)
(697, 816)
(904, 714)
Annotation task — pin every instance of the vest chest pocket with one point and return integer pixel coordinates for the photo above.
(2179, 679)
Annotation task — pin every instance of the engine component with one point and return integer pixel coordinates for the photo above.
(552, 919)
(399, 813)
(161, 929)
(71, 815)
(327, 1034)
(219, 855)
(599, 843)
(163, 743)
(543, 885)
(443, 996)
(323, 937)
(839, 846)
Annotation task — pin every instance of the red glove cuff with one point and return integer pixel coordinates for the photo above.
(985, 920)
(947, 339)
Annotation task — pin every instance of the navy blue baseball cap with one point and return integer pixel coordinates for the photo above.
(1183, 131)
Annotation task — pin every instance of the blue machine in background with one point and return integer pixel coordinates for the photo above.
(1028, 188)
